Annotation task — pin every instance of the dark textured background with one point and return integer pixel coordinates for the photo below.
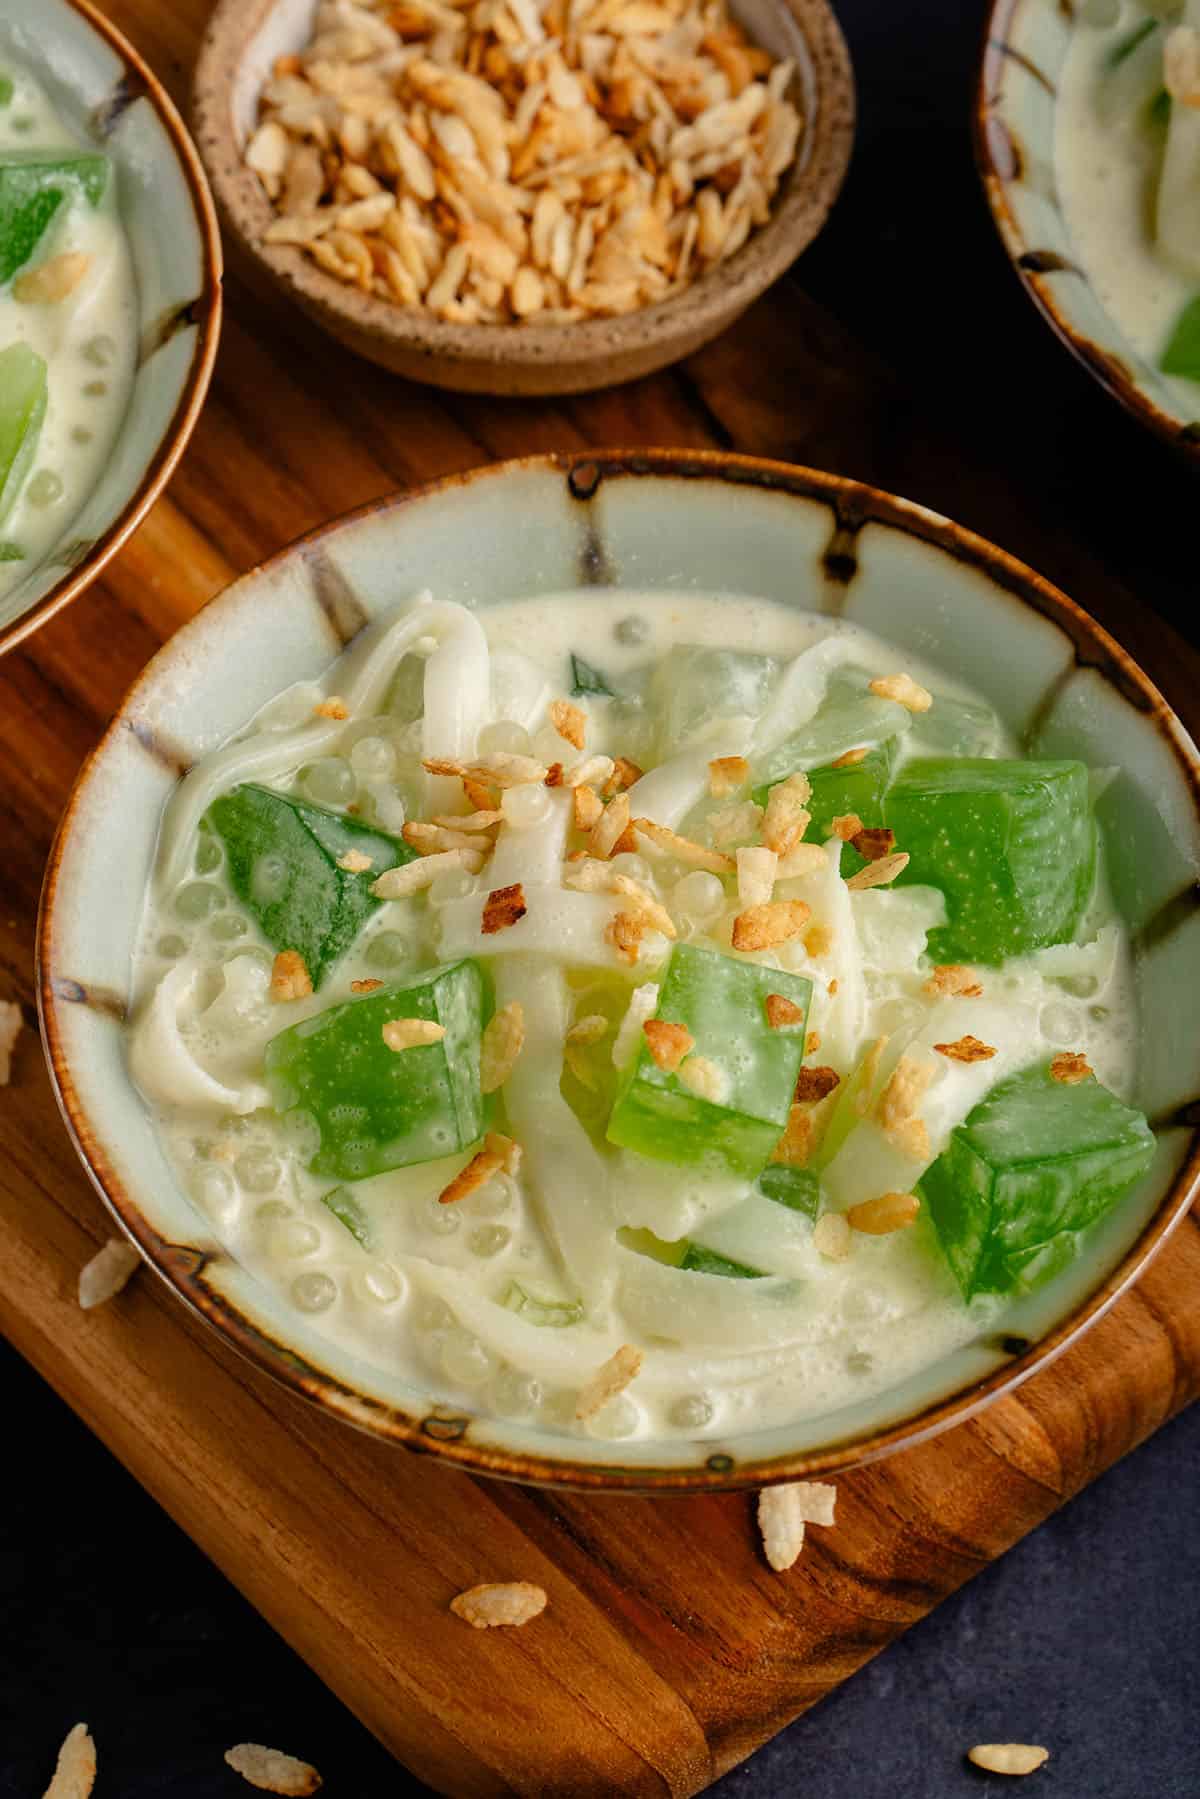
(1082, 1638)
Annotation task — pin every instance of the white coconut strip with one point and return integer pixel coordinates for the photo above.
(161, 1062)
(458, 697)
(520, 691)
(709, 1311)
(362, 677)
(760, 1233)
(562, 1169)
(869, 1162)
(566, 927)
(840, 1017)
(533, 855)
(801, 689)
(668, 793)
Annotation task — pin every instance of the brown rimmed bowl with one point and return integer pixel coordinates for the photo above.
(657, 519)
(244, 38)
(103, 87)
(1025, 45)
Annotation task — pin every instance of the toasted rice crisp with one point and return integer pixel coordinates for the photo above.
(756, 875)
(667, 1043)
(477, 1173)
(642, 901)
(611, 1378)
(846, 825)
(784, 1511)
(966, 1049)
(503, 908)
(623, 776)
(726, 774)
(879, 874)
(625, 931)
(1008, 1758)
(683, 848)
(593, 771)
(787, 816)
(851, 758)
(782, 1013)
(796, 1144)
(588, 807)
(355, 863)
(898, 1101)
(10, 1030)
(271, 1771)
(371, 985)
(904, 690)
(472, 822)
(109, 1270)
(414, 877)
(831, 1237)
(952, 978)
(815, 1084)
(872, 845)
(503, 1039)
(818, 940)
(513, 1602)
(588, 1030)
(762, 927)
(411, 1033)
(333, 707)
(880, 1217)
(75, 1770)
(609, 828)
(508, 1151)
(430, 839)
(290, 978)
(705, 1078)
(1070, 1068)
(570, 721)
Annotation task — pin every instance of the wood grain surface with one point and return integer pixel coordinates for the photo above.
(669, 1651)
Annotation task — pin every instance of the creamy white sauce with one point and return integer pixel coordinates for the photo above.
(422, 1302)
(89, 342)
(1107, 161)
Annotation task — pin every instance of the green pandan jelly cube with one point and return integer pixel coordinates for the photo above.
(284, 867)
(798, 1189)
(33, 185)
(379, 1108)
(1034, 1164)
(1012, 845)
(699, 1260)
(721, 1001)
(22, 409)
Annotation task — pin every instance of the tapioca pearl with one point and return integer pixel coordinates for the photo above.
(328, 781)
(209, 854)
(373, 758)
(489, 1240)
(293, 1238)
(631, 630)
(100, 350)
(387, 949)
(228, 927)
(269, 1214)
(447, 887)
(301, 1134)
(45, 489)
(556, 1411)
(527, 807)
(635, 867)
(215, 1191)
(493, 1199)
(259, 1171)
(171, 947)
(699, 896)
(464, 1358)
(314, 1292)
(442, 1220)
(433, 1314)
(379, 1285)
(620, 1418)
(866, 1303)
(692, 1412)
(506, 738)
(198, 899)
(516, 1395)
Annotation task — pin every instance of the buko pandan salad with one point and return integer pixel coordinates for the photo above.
(595, 1025)
(67, 323)
(1128, 169)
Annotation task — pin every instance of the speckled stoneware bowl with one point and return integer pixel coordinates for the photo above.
(1025, 46)
(103, 88)
(244, 38)
(657, 520)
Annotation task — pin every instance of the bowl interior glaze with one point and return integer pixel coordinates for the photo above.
(665, 520)
(106, 92)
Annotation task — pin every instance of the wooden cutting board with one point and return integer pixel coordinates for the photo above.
(668, 1651)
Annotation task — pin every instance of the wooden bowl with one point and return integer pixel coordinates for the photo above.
(103, 87)
(244, 38)
(692, 522)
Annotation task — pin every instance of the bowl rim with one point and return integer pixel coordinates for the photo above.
(183, 1269)
(208, 307)
(796, 219)
(994, 154)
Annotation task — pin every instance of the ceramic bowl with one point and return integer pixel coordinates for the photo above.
(101, 84)
(652, 520)
(243, 40)
(1025, 46)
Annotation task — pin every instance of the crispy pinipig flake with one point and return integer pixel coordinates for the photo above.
(625, 932)
(966, 1049)
(477, 1173)
(333, 707)
(588, 807)
(502, 908)
(696, 855)
(953, 978)
(831, 1237)
(611, 1378)
(609, 827)
(109, 1270)
(784, 1511)
(413, 877)
(851, 758)
(570, 721)
(880, 1217)
(355, 863)
(512, 1602)
(782, 1013)
(847, 825)
(795, 1146)
(787, 816)
(1070, 1067)
(903, 690)
(761, 927)
(873, 844)
(878, 874)
(668, 1043)
(726, 774)
(75, 1770)
(1008, 1758)
(756, 870)
(411, 1033)
(503, 1039)
(290, 978)
(814, 1084)
(272, 1771)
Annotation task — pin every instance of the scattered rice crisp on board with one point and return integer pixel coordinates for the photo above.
(272, 1771)
(511, 1602)
(1008, 1758)
(783, 1513)
(10, 1030)
(75, 1769)
(109, 1270)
